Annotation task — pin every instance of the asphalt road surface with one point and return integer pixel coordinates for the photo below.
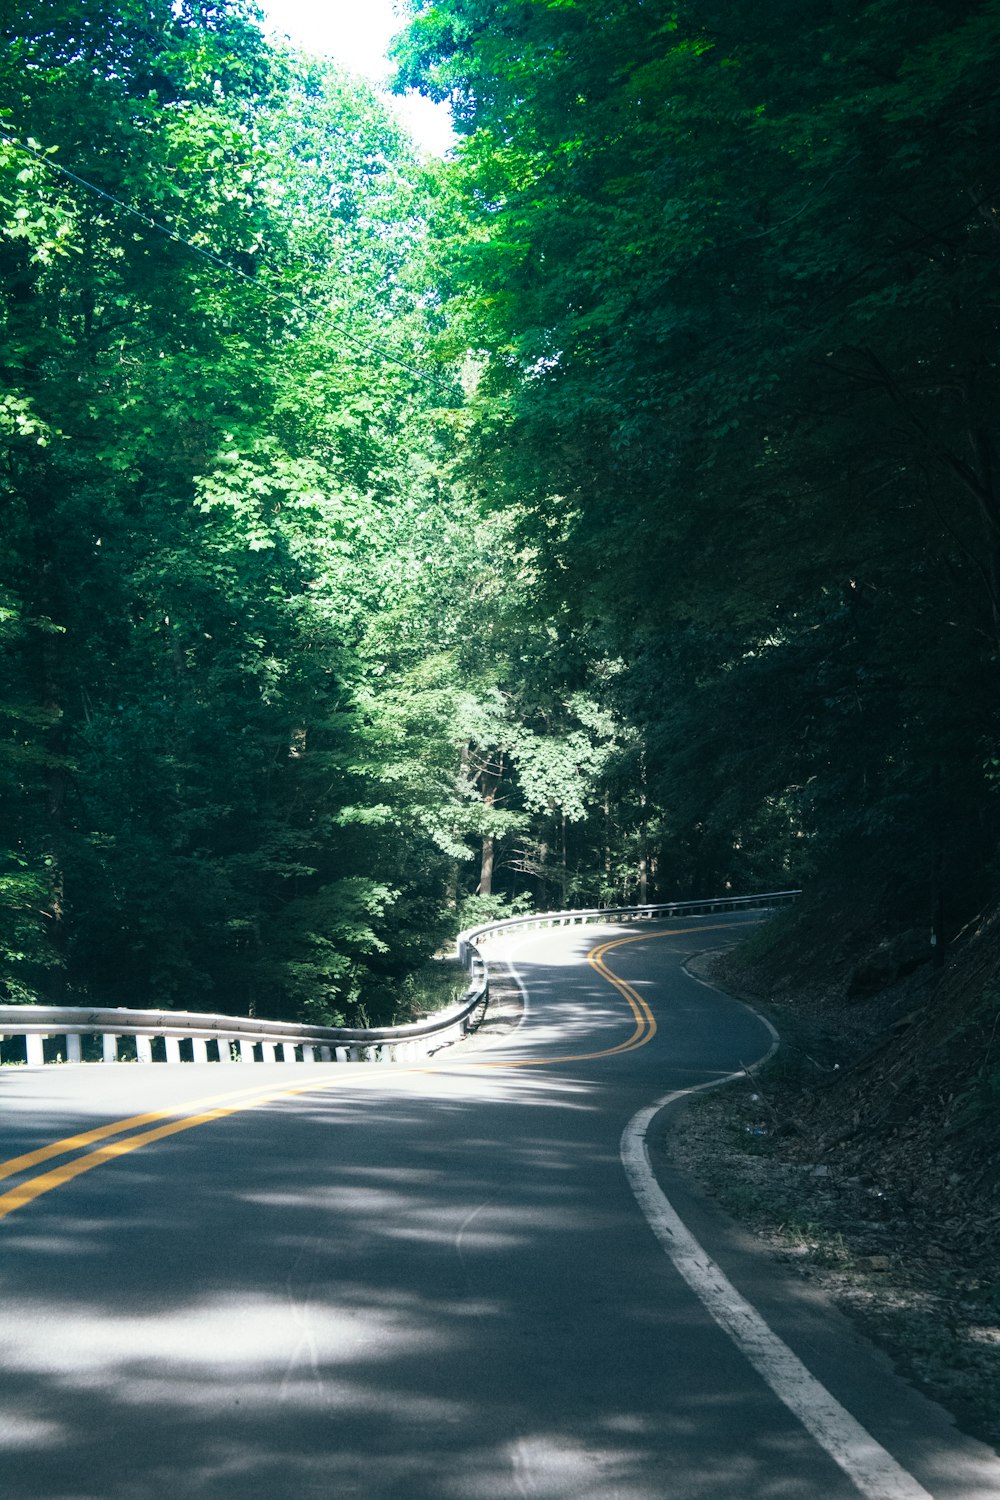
(457, 1281)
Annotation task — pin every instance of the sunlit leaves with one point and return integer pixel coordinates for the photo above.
(217, 483)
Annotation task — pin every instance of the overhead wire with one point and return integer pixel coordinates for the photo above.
(35, 153)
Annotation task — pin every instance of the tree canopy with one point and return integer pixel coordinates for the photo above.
(221, 460)
(731, 279)
(606, 513)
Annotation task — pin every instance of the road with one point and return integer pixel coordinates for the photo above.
(430, 1283)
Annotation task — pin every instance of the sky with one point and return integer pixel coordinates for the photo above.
(356, 33)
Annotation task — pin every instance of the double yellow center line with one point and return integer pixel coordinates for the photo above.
(157, 1125)
(174, 1120)
(645, 1021)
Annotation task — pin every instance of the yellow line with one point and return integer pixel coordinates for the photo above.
(26, 1192)
(34, 1187)
(644, 1018)
(218, 1106)
(645, 1022)
(101, 1132)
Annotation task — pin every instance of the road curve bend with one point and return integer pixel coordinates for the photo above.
(462, 1280)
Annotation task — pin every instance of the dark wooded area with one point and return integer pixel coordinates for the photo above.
(608, 513)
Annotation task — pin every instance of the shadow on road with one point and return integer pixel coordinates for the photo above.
(434, 1287)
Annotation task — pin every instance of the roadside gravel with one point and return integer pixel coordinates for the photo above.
(902, 1246)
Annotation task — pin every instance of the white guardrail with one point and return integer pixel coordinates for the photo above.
(159, 1034)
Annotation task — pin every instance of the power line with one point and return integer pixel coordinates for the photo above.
(36, 154)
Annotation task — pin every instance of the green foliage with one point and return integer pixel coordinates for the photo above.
(610, 513)
(477, 910)
(219, 492)
(435, 986)
(730, 280)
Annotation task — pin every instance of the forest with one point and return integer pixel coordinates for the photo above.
(610, 512)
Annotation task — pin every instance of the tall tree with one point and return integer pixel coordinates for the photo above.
(221, 465)
(730, 278)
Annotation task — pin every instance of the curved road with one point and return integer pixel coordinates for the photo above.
(430, 1283)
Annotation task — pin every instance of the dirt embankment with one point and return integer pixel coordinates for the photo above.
(867, 1153)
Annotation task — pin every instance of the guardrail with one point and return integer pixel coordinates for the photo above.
(174, 1036)
(468, 942)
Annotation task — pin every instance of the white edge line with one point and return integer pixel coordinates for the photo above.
(514, 950)
(869, 1466)
(758, 1062)
(525, 1002)
(508, 958)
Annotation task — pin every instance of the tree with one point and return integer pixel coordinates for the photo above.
(220, 455)
(737, 377)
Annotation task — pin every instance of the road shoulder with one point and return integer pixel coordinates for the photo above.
(839, 1236)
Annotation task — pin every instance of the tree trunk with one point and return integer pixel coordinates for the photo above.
(643, 856)
(607, 846)
(486, 866)
(490, 781)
